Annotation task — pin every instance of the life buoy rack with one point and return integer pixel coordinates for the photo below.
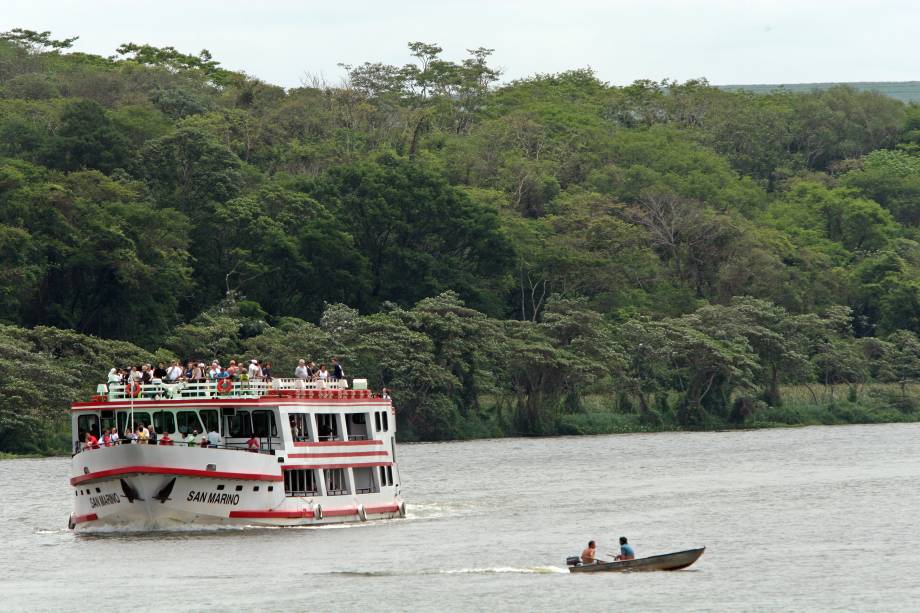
(133, 389)
(224, 386)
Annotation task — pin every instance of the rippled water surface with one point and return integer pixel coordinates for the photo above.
(810, 519)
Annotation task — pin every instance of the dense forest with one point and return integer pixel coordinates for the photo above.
(548, 255)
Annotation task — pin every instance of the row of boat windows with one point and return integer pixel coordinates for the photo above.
(307, 481)
(238, 424)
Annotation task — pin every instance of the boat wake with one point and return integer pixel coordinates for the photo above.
(496, 570)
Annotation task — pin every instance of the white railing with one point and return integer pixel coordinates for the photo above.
(212, 389)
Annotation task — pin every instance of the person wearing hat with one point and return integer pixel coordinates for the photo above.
(255, 372)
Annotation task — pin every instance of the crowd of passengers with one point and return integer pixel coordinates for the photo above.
(199, 372)
(144, 434)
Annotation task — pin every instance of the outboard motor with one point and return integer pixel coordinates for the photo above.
(573, 561)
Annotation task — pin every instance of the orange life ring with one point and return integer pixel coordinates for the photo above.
(224, 385)
(133, 389)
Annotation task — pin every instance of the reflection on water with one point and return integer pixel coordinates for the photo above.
(800, 519)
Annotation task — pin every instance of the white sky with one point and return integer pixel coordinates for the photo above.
(741, 41)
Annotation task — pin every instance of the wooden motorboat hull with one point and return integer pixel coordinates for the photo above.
(667, 561)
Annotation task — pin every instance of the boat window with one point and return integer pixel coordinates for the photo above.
(356, 426)
(263, 422)
(125, 423)
(89, 423)
(188, 422)
(390, 475)
(300, 426)
(386, 420)
(210, 419)
(364, 481)
(239, 425)
(164, 421)
(377, 420)
(385, 478)
(327, 426)
(336, 482)
(300, 482)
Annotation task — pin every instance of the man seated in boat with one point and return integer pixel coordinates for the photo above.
(626, 550)
(587, 556)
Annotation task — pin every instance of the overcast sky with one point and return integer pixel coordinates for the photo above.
(281, 41)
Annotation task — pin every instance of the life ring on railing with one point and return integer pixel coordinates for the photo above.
(362, 512)
(224, 386)
(133, 389)
(318, 511)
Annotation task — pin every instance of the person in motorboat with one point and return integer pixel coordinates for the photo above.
(588, 555)
(626, 550)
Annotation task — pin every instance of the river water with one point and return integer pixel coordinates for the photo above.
(808, 519)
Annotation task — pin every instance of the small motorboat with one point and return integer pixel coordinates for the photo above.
(666, 561)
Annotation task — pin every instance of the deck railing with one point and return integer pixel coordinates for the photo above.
(220, 388)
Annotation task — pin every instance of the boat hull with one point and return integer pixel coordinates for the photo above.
(138, 487)
(668, 561)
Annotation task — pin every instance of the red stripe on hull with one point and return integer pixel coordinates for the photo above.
(387, 508)
(271, 514)
(338, 443)
(346, 454)
(165, 470)
(357, 465)
(79, 519)
(340, 512)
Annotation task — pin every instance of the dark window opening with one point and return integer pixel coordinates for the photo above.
(300, 430)
(211, 420)
(336, 482)
(299, 482)
(164, 421)
(263, 423)
(327, 427)
(239, 425)
(188, 422)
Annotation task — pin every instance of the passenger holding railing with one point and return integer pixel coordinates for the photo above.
(255, 371)
(166, 440)
(322, 375)
(233, 370)
(191, 438)
(174, 372)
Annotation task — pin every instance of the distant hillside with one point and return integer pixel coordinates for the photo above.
(905, 91)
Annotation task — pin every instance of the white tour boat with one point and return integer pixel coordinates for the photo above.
(326, 454)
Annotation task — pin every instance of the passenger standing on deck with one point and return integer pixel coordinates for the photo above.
(301, 372)
(267, 371)
(152, 435)
(166, 440)
(322, 375)
(254, 372)
(191, 439)
(173, 372)
(626, 550)
(213, 438)
(114, 436)
(337, 371)
(253, 444)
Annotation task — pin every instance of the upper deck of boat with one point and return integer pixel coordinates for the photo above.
(223, 390)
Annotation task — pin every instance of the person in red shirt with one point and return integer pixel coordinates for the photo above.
(165, 440)
(253, 444)
(91, 441)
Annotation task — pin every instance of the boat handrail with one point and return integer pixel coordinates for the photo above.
(209, 389)
(174, 443)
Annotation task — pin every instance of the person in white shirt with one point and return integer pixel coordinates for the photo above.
(213, 438)
(215, 369)
(174, 372)
(113, 437)
(255, 372)
(322, 375)
(301, 372)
